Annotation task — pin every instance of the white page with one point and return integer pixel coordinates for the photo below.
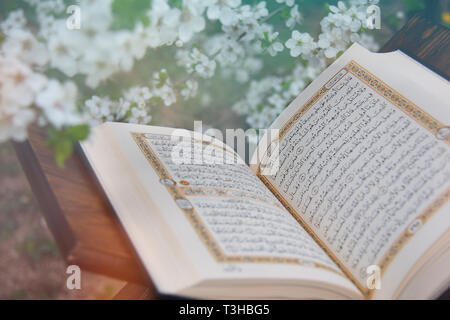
(299, 176)
(266, 264)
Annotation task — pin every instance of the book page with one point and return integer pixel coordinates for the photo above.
(362, 167)
(234, 214)
(219, 222)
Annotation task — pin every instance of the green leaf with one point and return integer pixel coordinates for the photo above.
(63, 150)
(146, 21)
(126, 13)
(265, 42)
(286, 84)
(414, 5)
(260, 107)
(155, 100)
(77, 133)
(177, 3)
(162, 78)
(285, 13)
(127, 114)
(52, 136)
(303, 61)
(62, 140)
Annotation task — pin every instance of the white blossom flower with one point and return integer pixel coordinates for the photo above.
(276, 100)
(96, 16)
(369, 42)
(196, 61)
(289, 3)
(119, 110)
(162, 25)
(19, 84)
(260, 10)
(231, 50)
(47, 26)
(139, 116)
(325, 44)
(129, 48)
(188, 21)
(296, 86)
(23, 45)
(14, 123)
(340, 7)
(222, 10)
(294, 17)
(15, 20)
(266, 98)
(102, 109)
(300, 43)
(190, 89)
(138, 94)
(103, 50)
(206, 68)
(63, 55)
(167, 94)
(47, 7)
(98, 109)
(95, 66)
(58, 103)
(275, 46)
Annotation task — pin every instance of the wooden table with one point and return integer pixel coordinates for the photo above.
(84, 226)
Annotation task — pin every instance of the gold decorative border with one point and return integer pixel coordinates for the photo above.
(406, 235)
(293, 120)
(411, 110)
(196, 222)
(311, 232)
(408, 107)
(221, 192)
(301, 112)
(398, 100)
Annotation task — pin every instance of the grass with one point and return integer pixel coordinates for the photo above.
(36, 246)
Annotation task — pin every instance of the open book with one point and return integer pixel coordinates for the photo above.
(355, 205)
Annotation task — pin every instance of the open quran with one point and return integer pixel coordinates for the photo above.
(349, 200)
